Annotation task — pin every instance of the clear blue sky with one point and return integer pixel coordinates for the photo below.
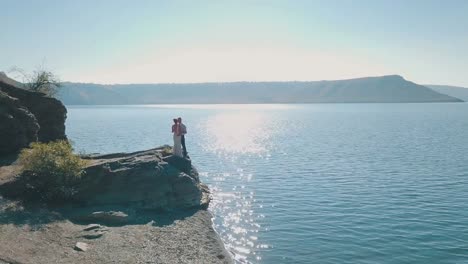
(114, 41)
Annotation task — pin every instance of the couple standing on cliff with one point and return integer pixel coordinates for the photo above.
(179, 130)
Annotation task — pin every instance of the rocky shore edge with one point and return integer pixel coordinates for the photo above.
(141, 207)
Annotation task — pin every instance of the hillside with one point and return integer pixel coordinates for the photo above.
(454, 91)
(385, 89)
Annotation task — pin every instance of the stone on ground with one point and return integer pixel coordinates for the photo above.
(80, 246)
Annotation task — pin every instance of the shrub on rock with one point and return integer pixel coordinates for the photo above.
(51, 171)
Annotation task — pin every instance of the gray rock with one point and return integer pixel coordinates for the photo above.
(81, 246)
(142, 180)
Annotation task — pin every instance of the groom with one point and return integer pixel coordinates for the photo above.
(183, 131)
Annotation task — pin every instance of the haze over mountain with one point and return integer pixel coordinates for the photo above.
(4, 78)
(454, 91)
(384, 89)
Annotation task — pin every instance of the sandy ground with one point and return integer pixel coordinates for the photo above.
(41, 236)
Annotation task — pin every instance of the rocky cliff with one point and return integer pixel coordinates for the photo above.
(27, 117)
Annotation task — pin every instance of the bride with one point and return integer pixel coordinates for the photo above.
(177, 150)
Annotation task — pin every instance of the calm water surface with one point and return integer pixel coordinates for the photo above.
(323, 183)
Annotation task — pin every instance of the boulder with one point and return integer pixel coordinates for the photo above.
(142, 180)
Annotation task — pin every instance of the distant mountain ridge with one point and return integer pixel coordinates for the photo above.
(384, 89)
(5, 79)
(454, 91)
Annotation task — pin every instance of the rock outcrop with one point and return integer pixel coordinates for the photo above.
(27, 116)
(128, 182)
(142, 180)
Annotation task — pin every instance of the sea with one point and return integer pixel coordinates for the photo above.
(313, 183)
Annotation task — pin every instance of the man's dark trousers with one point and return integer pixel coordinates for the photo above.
(183, 145)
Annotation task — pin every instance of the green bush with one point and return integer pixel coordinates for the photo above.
(51, 171)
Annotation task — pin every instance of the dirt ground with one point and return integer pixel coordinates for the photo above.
(38, 235)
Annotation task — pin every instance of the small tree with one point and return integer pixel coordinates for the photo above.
(40, 80)
(45, 82)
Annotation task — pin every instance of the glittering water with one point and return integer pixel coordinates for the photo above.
(324, 183)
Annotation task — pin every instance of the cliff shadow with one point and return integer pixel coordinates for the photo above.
(32, 214)
(36, 215)
(121, 216)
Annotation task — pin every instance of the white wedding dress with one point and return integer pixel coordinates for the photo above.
(177, 150)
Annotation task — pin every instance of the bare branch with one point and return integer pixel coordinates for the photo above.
(41, 81)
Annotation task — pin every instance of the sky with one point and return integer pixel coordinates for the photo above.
(116, 41)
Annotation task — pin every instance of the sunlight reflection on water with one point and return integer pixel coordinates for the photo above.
(239, 132)
(237, 135)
